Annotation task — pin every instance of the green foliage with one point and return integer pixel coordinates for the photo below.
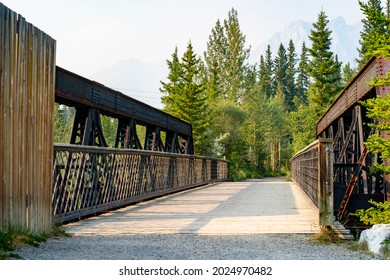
(378, 214)
(323, 67)
(13, 236)
(109, 126)
(379, 109)
(225, 60)
(348, 74)
(291, 88)
(326, 237)
(63, 121)
(376, 31)
(302, 81)
(185, 96)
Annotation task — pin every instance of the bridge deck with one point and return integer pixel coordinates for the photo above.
(250, 207)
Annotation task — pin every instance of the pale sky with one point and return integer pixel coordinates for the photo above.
(94, 34)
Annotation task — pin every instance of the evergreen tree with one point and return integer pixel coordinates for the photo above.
(174, 87)
(302, 82)
(379, 108)
(375, 28)
(236, 56)
(225, 60)
(185, 95)
(280, 70)
(323, 67)
(291, 90)
(348, 74)
(266, 73)
(215, 57)
(229, 82)
(276, 132)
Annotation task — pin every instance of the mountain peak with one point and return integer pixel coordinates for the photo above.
(344, 44)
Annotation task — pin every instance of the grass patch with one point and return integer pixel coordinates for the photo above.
(325, 237)
(13, 236)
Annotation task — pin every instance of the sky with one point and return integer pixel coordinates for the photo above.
(95, 34)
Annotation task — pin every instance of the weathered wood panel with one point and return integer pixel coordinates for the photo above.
(27, 76)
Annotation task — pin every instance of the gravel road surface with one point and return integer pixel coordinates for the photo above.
(190, 247)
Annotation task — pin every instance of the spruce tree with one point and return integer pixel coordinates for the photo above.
(291, 90)
(215, 57)
(280, 70)
(236, 56)
(185, 95)
(302, 82)
(225, 59)
(348, 73)
(379, 108)
(266, 73)
(174, 87)
(375, 26)
(229, 81)
(323, 67)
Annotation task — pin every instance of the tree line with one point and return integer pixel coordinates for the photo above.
(257, 116)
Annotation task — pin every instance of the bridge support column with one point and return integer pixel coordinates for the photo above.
(87, 128)
(126, 136)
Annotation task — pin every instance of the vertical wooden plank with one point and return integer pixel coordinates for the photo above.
(2, 93)
(26, 116)
(21, 125)
(9, 123)
(325, 182)
(29, 119)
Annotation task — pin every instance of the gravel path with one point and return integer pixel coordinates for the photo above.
(190, 247)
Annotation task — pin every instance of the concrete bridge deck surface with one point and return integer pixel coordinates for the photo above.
(249, 207)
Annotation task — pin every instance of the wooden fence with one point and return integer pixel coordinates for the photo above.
(27, 77)
(312, 170)
(88, 180)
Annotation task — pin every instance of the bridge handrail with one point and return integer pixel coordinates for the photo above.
(312, 171)
(88, 180)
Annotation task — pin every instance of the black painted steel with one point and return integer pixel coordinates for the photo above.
(90, 97)
(88, 180)
(346, 123)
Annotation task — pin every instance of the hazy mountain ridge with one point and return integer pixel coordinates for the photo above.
(135, 78)
(345, 39)
(141, 80)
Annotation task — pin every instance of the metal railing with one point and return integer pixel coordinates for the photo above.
(312, 171)
(88, 180)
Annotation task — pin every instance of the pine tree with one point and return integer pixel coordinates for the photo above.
(174, 87)
(323, 67)
(379, 108)
(229, 82)
(302, 77)
(225, 60)
(266, 73)
(375, 26)
(348, 73)
(185, 95)
(236, 56)
(280, 70)
(291, 90)
(215, 57)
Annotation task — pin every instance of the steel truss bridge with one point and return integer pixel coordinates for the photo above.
(346, 125)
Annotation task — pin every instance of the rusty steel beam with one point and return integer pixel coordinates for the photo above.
(355, 91)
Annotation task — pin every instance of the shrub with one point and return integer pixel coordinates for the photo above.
(378, 214)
